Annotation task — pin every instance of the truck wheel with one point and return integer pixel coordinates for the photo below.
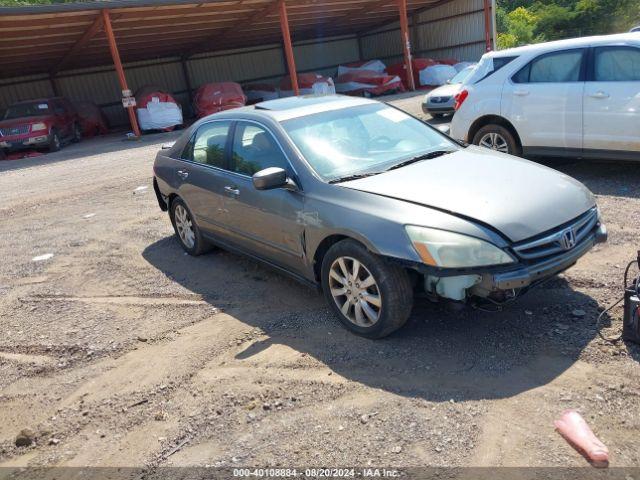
(496, 137)
(54, 141)
(77, 133)
(370, 296)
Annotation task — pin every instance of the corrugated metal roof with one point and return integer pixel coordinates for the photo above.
(42, 39)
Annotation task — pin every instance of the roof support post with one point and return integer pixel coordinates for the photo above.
(115, 55)
(288, 47)
(406, 42)
(187, 80)
(54, 86)
(487, 25)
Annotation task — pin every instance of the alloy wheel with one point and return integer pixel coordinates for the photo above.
(184, 225)
(495, 141)
(355, 291)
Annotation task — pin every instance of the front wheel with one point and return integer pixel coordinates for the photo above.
(77, 133)
(54, 141)
(370, 296)
(497, 137)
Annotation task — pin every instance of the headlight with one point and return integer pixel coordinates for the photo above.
(38, 126)
(444, 249)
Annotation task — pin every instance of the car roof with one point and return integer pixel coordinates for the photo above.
(566, 44)
(301, 106)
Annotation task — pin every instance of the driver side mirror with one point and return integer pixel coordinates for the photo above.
(272, 178)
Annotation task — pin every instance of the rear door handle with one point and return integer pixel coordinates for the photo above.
(521, 93)
(183, 174)
(599, 94)
(232, 190)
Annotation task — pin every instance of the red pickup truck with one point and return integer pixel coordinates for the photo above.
(44, 123)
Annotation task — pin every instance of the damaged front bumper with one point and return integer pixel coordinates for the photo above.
(495, 282)
(527, 275)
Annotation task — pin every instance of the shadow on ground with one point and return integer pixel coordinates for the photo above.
(439, 355)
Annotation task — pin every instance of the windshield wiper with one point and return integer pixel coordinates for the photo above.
(419, 158)
(356, 176)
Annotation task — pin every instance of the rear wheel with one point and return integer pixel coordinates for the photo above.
(187, 231)
(370, 296)
(54, 141)
(496, 137)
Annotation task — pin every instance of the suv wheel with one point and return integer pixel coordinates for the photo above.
(497, 137)
(186, 229)
(370, 296)
(54, 141)
(77, 133)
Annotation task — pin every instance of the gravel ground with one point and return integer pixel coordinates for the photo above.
(119, 350)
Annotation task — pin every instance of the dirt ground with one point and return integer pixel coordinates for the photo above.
(120, 350)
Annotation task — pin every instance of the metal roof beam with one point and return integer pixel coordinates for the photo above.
(272, 7)
(95, 27)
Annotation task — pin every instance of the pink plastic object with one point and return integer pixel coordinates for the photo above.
(575, 430)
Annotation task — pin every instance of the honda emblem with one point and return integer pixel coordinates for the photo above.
(568, 239)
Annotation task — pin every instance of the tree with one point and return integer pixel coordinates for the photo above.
(520, 29)
(522, 22)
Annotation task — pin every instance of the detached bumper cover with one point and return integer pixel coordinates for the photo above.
(527, 275)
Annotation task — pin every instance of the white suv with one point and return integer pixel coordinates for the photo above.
(578, 98)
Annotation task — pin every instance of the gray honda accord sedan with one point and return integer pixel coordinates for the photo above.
(372, 205)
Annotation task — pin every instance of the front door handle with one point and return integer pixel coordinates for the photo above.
(232, 190)
(183, 174)
(521, 93)
(599, 94)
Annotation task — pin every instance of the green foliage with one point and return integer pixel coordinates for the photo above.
(521, 22)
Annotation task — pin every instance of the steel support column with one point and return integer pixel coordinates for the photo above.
(187, 81)
(487, 25)
(406, 42)
(288, 47)
(115, 55)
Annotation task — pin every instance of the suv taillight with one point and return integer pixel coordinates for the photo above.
(460, 98)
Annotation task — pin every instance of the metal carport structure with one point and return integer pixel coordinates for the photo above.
(44, 42)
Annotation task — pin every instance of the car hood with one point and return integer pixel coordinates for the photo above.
(14, 122)
(445, 91)
(517, 197)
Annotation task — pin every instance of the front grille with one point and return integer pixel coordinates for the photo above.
(440, 99)
(560, 240)
(10, 131)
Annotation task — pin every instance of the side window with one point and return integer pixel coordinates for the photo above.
(617, 64)
(558, 67)
(255, 149)
(208, 144)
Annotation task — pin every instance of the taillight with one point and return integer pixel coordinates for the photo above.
(460, 98)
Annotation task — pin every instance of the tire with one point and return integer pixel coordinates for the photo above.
(54, 142)
(77, 133)
(182, 220)
(497, 137)
(391, 293)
